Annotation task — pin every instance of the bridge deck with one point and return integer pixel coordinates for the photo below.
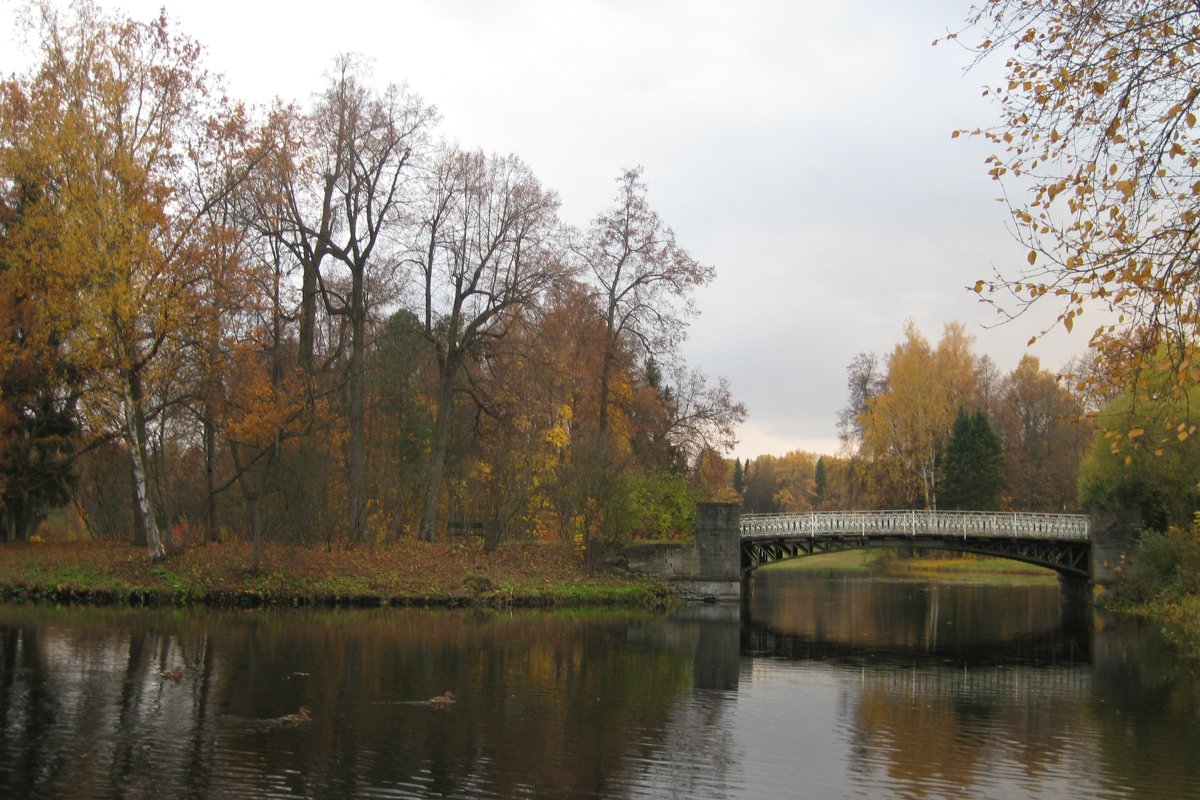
(967, 524)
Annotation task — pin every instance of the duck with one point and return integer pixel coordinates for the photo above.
(299, 718)
(446, 699)
(175, 675)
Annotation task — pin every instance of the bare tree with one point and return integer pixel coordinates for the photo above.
(702, 416)
(643, 280)
(485, 250)
(340, 198)
(865, 379)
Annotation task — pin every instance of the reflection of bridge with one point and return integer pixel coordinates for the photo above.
(1061, 542)
(1042, 668)
(1031, 684)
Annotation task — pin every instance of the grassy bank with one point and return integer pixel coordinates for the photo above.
(396, 573)
(886, 563)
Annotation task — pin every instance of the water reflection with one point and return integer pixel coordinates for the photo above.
(545, 702)
(826, 689)
(970, 621)
(977, 691)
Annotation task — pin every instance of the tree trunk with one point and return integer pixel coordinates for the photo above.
(358, 444)
(308, 316)
(603, 415)
(605, 379)
(437, 454)
(256, 548)
(213, 521)
(136, 440)
(139, 519)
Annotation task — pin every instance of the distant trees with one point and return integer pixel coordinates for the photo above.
(1045, 432)
(315, 322)
(786, 483)
(928, 423)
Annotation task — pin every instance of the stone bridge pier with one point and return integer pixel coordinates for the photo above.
(708, 568)
(1114, 537)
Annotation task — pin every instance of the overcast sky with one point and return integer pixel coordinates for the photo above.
(801, 148)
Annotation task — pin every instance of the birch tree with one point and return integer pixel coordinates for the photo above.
(908, 421)
(108, 114)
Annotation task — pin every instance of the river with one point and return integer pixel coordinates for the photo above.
(818, 688)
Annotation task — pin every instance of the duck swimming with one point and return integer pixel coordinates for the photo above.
(299, 718)
(446, 699)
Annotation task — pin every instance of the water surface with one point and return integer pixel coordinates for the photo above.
(828, 688)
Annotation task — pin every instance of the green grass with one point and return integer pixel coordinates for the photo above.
(856, 562)
(887, 563)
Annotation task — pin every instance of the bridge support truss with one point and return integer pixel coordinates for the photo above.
(1066, 557)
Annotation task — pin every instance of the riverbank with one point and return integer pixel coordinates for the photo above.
(1177, 619)
(395, 573)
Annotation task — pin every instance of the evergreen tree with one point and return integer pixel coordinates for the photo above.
(973, 469)
(739, 483)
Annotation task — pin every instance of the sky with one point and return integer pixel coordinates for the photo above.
(801, 148)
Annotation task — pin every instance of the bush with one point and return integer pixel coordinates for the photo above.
(1155, 571)
(1166, 566)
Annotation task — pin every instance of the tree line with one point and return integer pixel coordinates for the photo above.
(322, 322)
(933, 425)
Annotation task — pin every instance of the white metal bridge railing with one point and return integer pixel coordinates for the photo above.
(965, 524)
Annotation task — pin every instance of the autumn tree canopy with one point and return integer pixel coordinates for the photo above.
(320, 320)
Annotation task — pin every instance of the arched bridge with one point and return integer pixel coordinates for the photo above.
(1061, 542)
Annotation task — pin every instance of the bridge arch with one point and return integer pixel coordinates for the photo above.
(1060, 542)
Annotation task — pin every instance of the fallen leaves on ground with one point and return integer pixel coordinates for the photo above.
(400, 572)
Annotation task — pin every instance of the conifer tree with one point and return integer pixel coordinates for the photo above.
(973, 470)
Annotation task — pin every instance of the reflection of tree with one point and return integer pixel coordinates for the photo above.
(695, 755)
(549, 704)
(1143, 686)
(943, 732)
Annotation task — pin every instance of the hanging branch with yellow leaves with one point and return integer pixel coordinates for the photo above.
(1098, 132)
